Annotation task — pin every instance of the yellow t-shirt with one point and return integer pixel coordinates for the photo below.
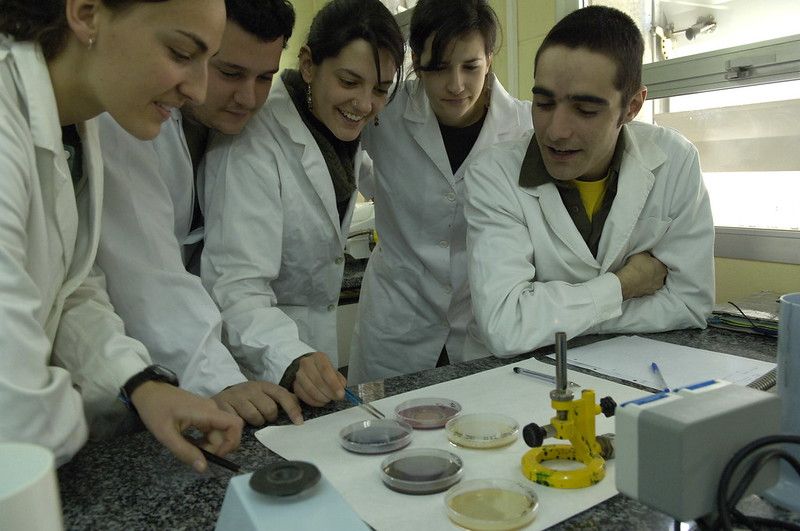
(592, 193)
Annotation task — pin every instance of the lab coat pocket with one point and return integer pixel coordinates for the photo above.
(389, 298)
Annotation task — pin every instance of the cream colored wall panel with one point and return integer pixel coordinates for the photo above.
(535, 18)
(739, 278)
(527, 53)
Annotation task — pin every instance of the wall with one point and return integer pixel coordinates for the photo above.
(738, 278)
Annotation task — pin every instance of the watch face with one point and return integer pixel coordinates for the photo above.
(163, 372)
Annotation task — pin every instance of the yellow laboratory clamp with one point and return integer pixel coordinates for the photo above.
(573, 422)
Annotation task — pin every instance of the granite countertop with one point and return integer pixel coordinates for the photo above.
(132, 482)
(353, 272)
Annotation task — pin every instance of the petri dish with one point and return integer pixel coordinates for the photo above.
(427, 413)
(482, 430)
(421, 471)
(375, 436)
(491, 504)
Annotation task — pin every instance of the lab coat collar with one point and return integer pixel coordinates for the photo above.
(281, 105)
(636, 180)
(38, 95)
(503, 118)
(640, 157)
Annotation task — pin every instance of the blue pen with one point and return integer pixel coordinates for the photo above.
(661, 380)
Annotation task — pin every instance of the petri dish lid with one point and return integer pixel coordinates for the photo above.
(421, 471)
(427, 413)
(284, 478)
(375, 436)
(482, 430)
(491, 504)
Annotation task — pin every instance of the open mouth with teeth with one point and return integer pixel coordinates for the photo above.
(562, 152)
(350, 117)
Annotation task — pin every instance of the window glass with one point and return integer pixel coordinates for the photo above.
(747, 136)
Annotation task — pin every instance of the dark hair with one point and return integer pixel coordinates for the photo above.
(266, 19)
(450, 20)
(607, 31)
(45, 21)
(342, 21)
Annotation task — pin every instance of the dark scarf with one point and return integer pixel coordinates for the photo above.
(339, 155)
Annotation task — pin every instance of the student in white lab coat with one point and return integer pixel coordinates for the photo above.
(151, 219)
(279, 198)
(415, 302)
(594, 224)
(63, 354)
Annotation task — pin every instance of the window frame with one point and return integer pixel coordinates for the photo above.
(758, 63)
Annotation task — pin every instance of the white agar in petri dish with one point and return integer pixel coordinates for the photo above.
(491, 504)
(482, 430)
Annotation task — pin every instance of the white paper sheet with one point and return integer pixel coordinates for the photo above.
(498, 390)
(629, 358)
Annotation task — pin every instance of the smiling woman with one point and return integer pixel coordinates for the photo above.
(63, 353)
(290, 177)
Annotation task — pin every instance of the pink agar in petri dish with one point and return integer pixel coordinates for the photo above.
(427, 413)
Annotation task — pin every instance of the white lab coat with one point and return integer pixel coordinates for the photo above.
(60, 342)
(147, 217)
(415, 295)
(274, 252)
(532, 274)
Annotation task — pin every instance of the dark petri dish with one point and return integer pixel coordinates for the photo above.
(421, 471)
(375, 436)
(427, 413)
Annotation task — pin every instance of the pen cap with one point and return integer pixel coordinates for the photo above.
(788, 380)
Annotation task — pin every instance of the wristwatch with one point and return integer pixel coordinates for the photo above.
(153, 373)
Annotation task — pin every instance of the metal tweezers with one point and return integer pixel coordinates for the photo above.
(355, 399)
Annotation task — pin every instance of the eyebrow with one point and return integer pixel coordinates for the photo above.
(203, 47)
(240, 68)
(359, 76)
(579, 98)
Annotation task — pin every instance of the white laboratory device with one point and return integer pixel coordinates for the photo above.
(785, 493)
(672, 447)
(360, 235)
(320, 507)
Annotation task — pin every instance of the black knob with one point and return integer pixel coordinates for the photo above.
(534, 435)
(608, 406)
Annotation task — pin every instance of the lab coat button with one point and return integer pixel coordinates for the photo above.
(339, 260)
(451, 196)
(444, 243)
(331, 307)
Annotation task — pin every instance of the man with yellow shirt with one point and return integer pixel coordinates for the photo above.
(594, 223)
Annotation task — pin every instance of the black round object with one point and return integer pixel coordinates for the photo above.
(608, 406)
(534, 435)
(284, 478)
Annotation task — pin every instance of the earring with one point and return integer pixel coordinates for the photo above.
(308, 98)
(488, 90)
(91, 42)
(377, 120)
